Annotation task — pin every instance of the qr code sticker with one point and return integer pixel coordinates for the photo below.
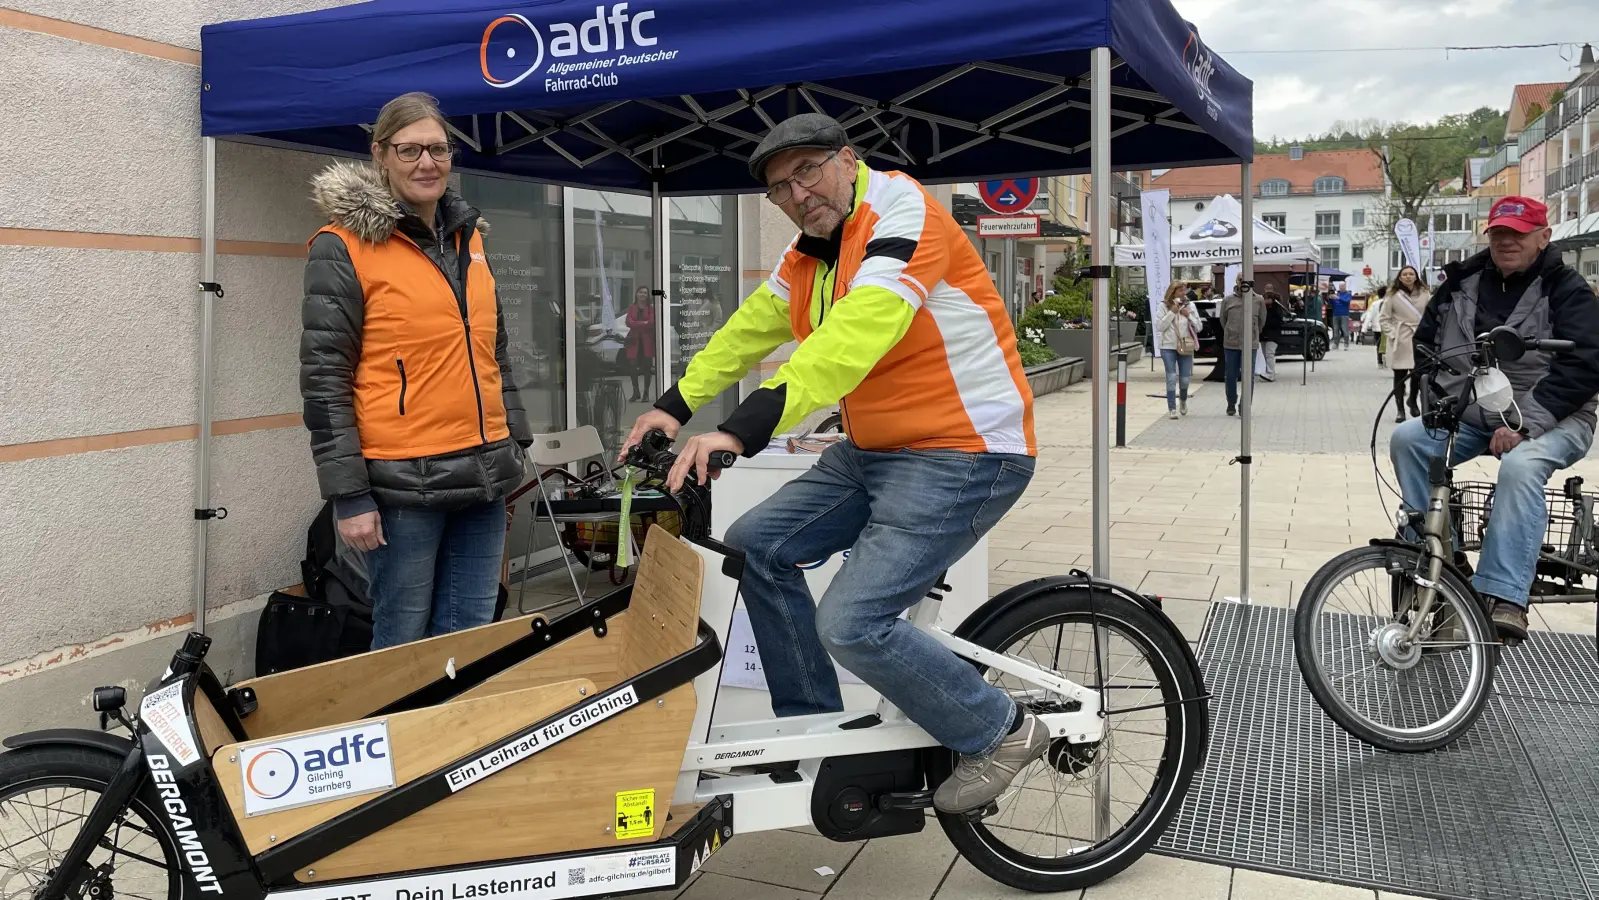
(576, 876)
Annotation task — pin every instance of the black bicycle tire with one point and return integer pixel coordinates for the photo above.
(1091, 866)
(1309, 670)
(64, 766)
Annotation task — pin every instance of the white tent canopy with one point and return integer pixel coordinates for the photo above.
(1217, 237)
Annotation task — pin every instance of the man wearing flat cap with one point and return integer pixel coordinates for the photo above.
(899, 324)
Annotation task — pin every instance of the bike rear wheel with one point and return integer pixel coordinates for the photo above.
(1351, 646)
(1084, 812)
(46, 793)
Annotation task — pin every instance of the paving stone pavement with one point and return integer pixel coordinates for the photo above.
(1331, 412)
(1176, 531)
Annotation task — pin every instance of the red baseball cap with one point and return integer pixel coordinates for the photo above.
(1522, 214)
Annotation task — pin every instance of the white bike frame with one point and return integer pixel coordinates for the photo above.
(765, 804)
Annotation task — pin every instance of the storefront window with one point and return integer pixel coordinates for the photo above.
(616, 361)
(524, 251)
(703, 290)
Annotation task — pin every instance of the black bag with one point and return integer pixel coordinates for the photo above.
(334, 619)
(295, 632)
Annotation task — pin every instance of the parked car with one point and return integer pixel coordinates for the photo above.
(1296, 336)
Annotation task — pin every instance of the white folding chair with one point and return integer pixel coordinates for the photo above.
(560, 450)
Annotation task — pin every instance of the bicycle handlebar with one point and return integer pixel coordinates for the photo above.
(654, 455)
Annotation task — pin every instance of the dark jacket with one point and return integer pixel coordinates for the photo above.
(1558, 304)
(331, 350)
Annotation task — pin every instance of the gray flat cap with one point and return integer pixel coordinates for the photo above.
(807, 130)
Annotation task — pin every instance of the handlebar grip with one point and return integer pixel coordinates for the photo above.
(1553, 346)
(721, 459)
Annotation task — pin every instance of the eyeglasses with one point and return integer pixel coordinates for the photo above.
(441, 152)
(806, 176)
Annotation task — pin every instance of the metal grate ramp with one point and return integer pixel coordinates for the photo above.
(1510, 811)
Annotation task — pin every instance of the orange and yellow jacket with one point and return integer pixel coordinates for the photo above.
(898, 323)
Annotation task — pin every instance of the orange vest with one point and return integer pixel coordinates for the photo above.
(427, 382)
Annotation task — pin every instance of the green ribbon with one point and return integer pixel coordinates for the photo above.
(624, 525)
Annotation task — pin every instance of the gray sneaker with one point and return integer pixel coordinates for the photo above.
(979, 780)
(1511, 622)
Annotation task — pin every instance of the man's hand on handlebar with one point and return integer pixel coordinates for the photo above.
(654, 420)
(696, 455)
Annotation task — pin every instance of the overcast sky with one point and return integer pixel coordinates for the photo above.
(1301, 94)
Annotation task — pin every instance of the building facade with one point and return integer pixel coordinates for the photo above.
(1333, 197)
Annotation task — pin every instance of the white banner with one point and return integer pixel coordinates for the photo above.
(1432, 244)
(555, 879)
(1157, 252)
(1409, 242)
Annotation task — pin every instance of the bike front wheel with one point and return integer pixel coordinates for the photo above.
(46, 794)
(1353, 643)
(1084, 812)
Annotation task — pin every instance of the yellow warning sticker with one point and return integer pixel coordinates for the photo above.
(716, 842)
(635, 814)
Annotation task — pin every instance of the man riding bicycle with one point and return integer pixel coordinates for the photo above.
(898, 323)
(1519, 281)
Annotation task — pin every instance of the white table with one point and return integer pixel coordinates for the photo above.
(739, 490)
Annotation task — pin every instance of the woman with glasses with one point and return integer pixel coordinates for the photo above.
(417, 430)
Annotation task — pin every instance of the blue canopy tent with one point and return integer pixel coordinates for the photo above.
(669, 98)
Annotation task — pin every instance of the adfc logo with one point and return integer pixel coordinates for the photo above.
(510, 37)
(513, 47)
(272, 774)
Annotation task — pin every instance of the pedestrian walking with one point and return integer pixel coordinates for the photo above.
(1177, 327)
(1233, 313)
(1275, 314)
(1371, 323)
(1401, 315)
(1340, 313)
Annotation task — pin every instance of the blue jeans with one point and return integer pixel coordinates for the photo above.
(1516, 528)
(1177, 366)
(438, 573)
(906, 516)
(1340, 330)
(1233, 360)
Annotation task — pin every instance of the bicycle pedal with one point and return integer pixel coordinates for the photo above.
(976, 815)
(1510, 642)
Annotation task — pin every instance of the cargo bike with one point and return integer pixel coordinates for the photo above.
(576, 756)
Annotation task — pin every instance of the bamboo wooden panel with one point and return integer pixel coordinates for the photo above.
(560, 800)
(213, 731)
(664, 614)
(344, 690)
(581, 656)
(420, 742)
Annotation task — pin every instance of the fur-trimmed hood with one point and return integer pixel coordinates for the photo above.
(352, 195)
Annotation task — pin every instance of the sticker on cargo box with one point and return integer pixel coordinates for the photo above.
(635, 814)
(346, 761)
(162, 712)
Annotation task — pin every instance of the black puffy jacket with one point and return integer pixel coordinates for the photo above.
(352, 196)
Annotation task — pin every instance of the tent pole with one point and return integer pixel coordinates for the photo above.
(658, 271)
(1248, 373)
(208, 276)
(1100, 186)
(1100, 363)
